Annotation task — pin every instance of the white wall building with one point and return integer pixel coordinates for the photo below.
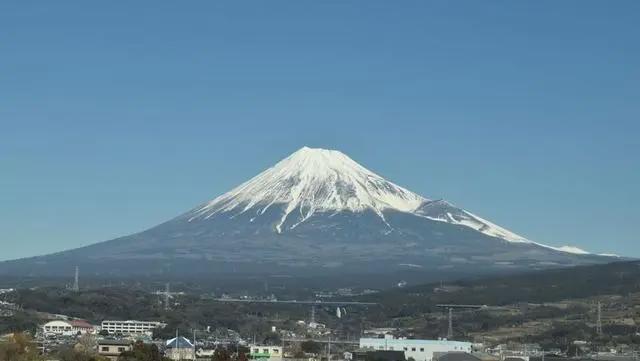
(131, 327)
(419, 350)
(68, 328)
(265, 352)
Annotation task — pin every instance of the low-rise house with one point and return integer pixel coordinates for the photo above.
(111, 349)
(180, 348)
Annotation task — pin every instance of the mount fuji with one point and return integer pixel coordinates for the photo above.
(316, 211)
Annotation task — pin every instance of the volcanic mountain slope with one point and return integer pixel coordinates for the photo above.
(315, 211)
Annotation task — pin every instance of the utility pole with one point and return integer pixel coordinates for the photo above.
(194, 343)
(599, 321)
(167, 295)
(178, 345)
(450, 331)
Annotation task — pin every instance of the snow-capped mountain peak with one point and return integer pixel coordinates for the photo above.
(311, 180)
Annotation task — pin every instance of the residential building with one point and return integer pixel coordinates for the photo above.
(419, 350)
(73, 327)
(131, 327)
(111, 349)
(180, 348)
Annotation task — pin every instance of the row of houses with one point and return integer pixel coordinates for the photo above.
(178, 348)
(181, 348)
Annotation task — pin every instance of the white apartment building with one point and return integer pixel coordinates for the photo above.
(131, 327)
(419, 350)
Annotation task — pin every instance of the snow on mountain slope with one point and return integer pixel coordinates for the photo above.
(320, 180)
(314, 180)
(444, 211)
(569, 249)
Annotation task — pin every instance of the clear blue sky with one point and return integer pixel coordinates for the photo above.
(116, 116)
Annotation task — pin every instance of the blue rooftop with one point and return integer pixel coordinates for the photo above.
(179, 342)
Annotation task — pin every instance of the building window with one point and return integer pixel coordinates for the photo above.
(421, 349)
(120, 349)
(406, 349)
(275, 351)
(413, 349)
(105, 348)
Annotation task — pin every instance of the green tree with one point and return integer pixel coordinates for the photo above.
(142, 352)
(242, 356)
(242, 352)
(77, 354)
(221, 354)
(19, 347)
(87, 344)
(310, 346)
(271, 339)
